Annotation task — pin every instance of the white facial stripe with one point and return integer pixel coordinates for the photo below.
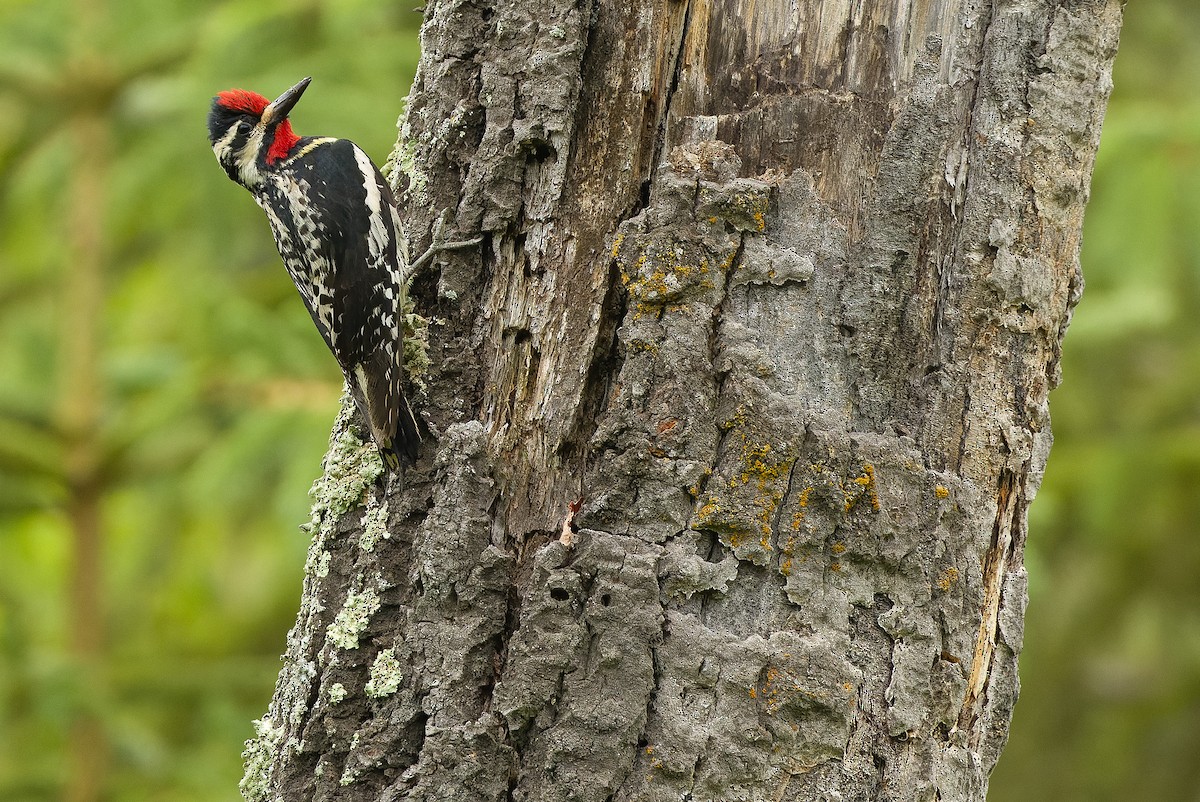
(221, 146)
(247, 157)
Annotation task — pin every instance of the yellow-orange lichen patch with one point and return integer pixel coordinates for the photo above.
(868, 489)
(947, 578)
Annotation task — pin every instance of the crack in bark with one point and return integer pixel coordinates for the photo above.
(701, 755)
(994, 568)
(964, 429)
(603, 366)
(777, 523)
(660, 140)
(714, 354)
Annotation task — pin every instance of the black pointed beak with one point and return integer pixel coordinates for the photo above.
(282, 105)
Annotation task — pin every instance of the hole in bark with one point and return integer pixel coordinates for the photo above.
(606, 599)
(539, 150)
(487, 14)
(712, 549)
(846, 330)
(559, 594)
(414, 737)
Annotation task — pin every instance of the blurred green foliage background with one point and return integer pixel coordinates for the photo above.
(165, 402)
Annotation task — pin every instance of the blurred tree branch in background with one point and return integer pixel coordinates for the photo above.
(81, 391)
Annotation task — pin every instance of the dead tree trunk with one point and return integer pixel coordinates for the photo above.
(774, 294)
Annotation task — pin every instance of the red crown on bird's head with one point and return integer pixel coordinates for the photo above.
(243, 100)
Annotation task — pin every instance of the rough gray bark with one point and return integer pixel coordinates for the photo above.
(774, 293)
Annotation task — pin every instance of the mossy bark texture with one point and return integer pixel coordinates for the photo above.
(736, 411)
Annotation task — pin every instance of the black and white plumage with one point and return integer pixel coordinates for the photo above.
(338, 231)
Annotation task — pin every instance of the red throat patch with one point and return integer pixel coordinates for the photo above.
(285, 139)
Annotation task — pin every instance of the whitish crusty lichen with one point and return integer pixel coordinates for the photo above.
(350, 774)
(403, 158)
(318, 567)
(351, 468)
(259, 755)
(337, 692)
(416, 345)
(352, 619)
(385, 675)
(374, 526)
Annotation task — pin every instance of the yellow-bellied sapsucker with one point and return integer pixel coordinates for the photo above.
(338, 231)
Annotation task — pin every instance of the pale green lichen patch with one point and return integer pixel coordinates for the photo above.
(352, 619)
(351, 467)
(416, 344)
(320, 566)
(259, 755)
(403, 159)
(349, 775)
(374, 526)
(385, 675)
(337, 692)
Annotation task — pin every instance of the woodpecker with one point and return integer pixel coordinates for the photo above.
(337, 228)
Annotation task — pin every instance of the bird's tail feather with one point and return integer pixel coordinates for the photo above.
(377, 387)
